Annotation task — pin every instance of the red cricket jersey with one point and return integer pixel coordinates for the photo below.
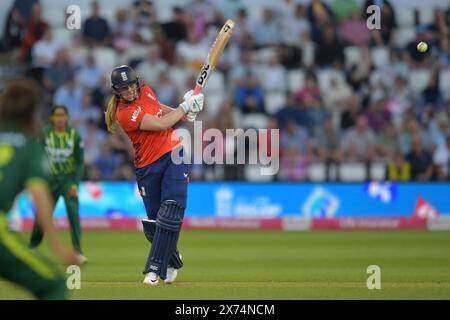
(148, 146)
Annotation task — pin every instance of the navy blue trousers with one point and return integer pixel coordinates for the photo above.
(162, 180)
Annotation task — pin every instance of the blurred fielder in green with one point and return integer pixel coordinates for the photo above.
(23, 166)
(64, 148)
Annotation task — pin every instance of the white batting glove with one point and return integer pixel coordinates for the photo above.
(188, 95)
(193, 104)
(190, 116)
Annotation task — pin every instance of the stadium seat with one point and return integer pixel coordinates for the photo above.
(316, 171)
(352, 55)
(63, 36)
(418, 79)
(135, 52)
(106, 58)
(55, 16)
(216, 83)
(444, 82)
(378, 171)
(324, 77)
(405, 17)
(252, 172)
(426, 15)
(213, 103)
(295, 80)
(256, 121)
(308, 53)
(274, 101)
(404, 35)
(264, 55)
(352, 171)
(380, 56)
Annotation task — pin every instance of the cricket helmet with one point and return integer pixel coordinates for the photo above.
(123, 76)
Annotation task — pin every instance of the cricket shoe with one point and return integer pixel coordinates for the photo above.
(82, 259)
(151, 278)
(171, 275)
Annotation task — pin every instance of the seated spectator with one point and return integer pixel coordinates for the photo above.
(96, 31)
(175, 30)
(202, 12)
(387, 141)
(34, 31)
(88, 112)
(43, 54)
(343, 9)
(166, 90)
(328, 146)
(412, 128)
(329, 50)
(274, 76)
(249, 96)
(443, 53)
(314, 114)
(295, 28)
(242, 67)
(295, 151)
(144, 13)
(291, 57)
(150, 68)
(432, 95)
(398, 169)
(267, 31)
(354, 31)
(290, 111)
(181, 75)
(383, 36)
(359, 142)
(412, 56)
(243, 27)
(70, 95)
(441, 160)
(93, 137)
(192, 51)
(357, 75)
(88, 76)
(320, 15)
(350, 112)
(337, 95)
(123, 31)
(17, 21)
(59, 72)
(310, 88)
(399, 100)
(108, 163)
(420, 160)
(378, 116)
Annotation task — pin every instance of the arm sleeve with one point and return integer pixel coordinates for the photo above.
(38, 170)
(79, 159)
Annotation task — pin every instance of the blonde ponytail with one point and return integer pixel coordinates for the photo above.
(110, 114)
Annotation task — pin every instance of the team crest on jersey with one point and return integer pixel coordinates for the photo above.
(135, 114)
(159, 114)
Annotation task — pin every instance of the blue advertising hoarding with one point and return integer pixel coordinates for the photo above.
(264, 200)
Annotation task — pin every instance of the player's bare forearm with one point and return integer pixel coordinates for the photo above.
(152, 123)
(166, 109)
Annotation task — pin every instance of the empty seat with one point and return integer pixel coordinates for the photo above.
(378, 171)
(256, 121)
(213, 103)
(295, 80)
(324, 77)
(274, 101)
(352, 55)
(252, 172)
(444, 82)
(380, 56)
(216, 83)
(316, 171)
(105, 58)
(405, 17)
(352, 171)
(418, 79)
(404, 35)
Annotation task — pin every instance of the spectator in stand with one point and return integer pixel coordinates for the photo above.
(441, 160)
(202, 12)
(249, 96)
(295, 27)
(354, 31)
(443, 53)
(383, 36)
(328, 147)
(438, 28)
(242, 26)
(123, 31)
(273, 77)
(108, 163)
(230, 9)
(176, 29)
(412, 128)
(387, 141)
(17, 22)
(192, 51)
(329, 50)
(420, 160)
(166, 90)
(144, 13)
(359, 142)
(244, 66)
(320, 16)
(310, 88)
(378, 116)
(88, 76)
(180, 75)
(59, 72)
(399, 100)
(350, 112)
(432, 95)
(357, 75)
(295, 152)
(266, 32)
(150, 68)
(337, 95)
(43, 54)
(34, 32)
(343, 9)
(291, 111)
(96, 30)
(70, 94)
(88, 112)
(314, 114)
(412, 56)
(398, 169)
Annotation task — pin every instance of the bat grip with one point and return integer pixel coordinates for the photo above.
(197, 89)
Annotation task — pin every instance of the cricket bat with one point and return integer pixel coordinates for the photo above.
(214, 54)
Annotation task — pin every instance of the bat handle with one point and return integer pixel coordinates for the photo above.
(197, 89)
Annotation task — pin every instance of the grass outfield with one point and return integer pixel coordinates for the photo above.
(268, 265)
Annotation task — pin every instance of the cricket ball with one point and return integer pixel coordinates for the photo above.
(422, 47)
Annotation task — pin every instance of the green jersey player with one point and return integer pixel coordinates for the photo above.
(64, 148)
(23, 166)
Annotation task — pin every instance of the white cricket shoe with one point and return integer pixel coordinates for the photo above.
(82, 259)
(151, 278)
(171, 275)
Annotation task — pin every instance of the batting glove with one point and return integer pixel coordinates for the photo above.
(193, 104)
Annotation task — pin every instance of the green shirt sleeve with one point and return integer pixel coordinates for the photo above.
(79, 158)
(38, 170)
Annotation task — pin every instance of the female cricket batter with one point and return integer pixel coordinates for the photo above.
(161, 182)
(23, 166)
(64, 149)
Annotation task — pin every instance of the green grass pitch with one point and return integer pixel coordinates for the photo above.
(268, 265)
